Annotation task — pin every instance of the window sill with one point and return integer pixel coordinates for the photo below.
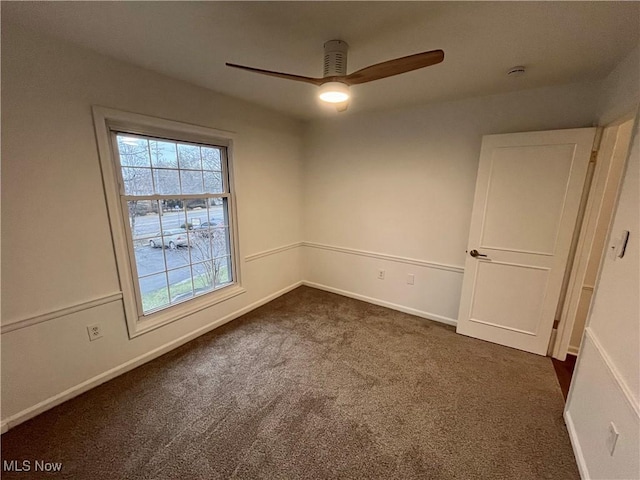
(185, 309)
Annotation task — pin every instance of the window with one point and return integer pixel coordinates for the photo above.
(169, 193)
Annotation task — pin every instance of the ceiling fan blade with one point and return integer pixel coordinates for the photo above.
(289, 76)
(395, 67)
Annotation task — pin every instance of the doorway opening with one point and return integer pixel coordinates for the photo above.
(591, 242)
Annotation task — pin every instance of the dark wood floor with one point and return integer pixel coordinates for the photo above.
(564, 371)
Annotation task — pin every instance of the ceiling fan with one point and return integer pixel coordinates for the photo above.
(335, 83)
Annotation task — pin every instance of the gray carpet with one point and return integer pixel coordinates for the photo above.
(314, 385)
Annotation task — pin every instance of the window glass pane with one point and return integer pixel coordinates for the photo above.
(198, 218)
(178, 257)
(203, 277)
(196, 204)
(191, 182)
(211, 158)
(222, 271)
(143, 219)
(175, 238)
(154, 292)
(134, 151)
(137, 181)
(155, 241)
(195, 220)
(167, 182)
(181, 246)
(185, 225)
(213, 182)
(180, 284)
(148, 259)
(189, 156)
(219, 241)
(216, 212)
(173, 215)
(163, 154)
(200, 245)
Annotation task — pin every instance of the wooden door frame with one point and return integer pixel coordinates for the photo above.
(607, 175)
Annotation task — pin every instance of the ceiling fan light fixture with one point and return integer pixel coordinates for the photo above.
(334, 85)
(334, 92)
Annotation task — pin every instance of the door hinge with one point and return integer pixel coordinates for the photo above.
(596, 145)
(597, 139)
(556, 323)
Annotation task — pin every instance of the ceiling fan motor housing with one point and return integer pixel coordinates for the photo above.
(335, 58)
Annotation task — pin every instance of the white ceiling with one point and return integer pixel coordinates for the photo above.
(558, 42)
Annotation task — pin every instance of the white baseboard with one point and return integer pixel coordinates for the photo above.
(383, 303)
(76, 390)
(571, 350)
(575, 444)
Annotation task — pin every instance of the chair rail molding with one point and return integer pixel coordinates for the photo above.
(12, 325)
(386, 256)
(272, 251)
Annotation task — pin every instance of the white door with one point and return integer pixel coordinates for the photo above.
(528, 194)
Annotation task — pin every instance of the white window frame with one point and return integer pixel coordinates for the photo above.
(108, 120)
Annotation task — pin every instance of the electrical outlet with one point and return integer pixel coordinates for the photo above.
(380, 274)
(612, 438)
(411, 278)
(94, 331)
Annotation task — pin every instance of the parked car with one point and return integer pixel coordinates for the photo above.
(196, 224)
(173, 238)
(203, 228)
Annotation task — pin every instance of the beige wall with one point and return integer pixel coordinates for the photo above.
(619, 95)
(620, 91)
(401, 183)
(606, 384)
(57, 249)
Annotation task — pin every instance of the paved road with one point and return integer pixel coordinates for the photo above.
(148, 225)
(154, 261)
(151, 261)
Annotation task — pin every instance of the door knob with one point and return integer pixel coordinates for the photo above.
(475, 254)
